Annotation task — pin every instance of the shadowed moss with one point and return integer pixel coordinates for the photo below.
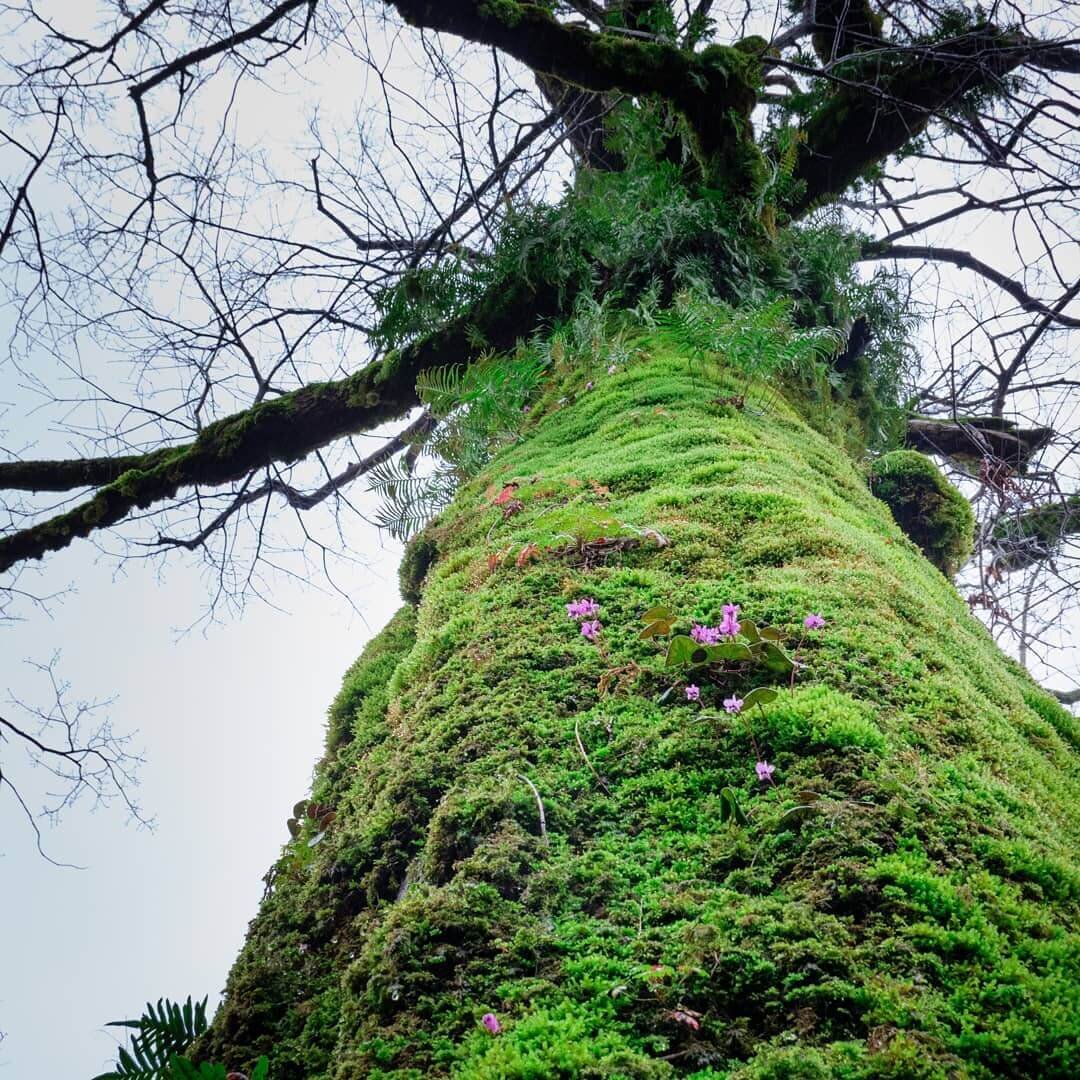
(526, 825)
(926, 506)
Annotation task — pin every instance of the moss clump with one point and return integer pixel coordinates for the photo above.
(902, 901)
(420, 554)
(929, 510)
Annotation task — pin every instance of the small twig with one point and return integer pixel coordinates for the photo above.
(581, 746)
(539, 806)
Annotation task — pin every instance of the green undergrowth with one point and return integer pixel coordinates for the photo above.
(528, 824)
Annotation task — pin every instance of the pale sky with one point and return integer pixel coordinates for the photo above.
(232, 723)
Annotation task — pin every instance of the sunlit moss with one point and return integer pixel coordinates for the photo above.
(511, 838)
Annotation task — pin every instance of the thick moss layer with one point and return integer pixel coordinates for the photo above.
(902, 903)
(933, 513)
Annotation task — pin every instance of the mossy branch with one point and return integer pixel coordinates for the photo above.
(974, 437)
(282, 430)
(886, 97)
(715, 88)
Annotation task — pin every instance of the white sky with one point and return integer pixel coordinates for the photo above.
(232, 724)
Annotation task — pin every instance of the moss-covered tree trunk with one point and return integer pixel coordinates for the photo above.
(530, 824)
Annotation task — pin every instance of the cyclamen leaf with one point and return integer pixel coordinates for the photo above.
(777, 660)
(748, 629)
(681, 650)
(730, 808)
(658, 614)
(728, 650)
(760, 695)
(658, 628)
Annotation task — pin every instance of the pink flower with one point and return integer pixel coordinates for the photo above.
(733, 705)
(764, 771)
(611, 370)
(814, 622)
(693, 693)
(491, 1022)
(589, 385)
(729, 624)
(590, 629)
(583, 609)
(705, 635)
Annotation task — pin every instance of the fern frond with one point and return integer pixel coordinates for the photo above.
(162, 1032)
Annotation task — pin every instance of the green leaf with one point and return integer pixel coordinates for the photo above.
(770, 633)
(262, 1069)
(658, 628)
(777, 660)
(749, 630)
(760, 695)
(681, 650)
(730, 808)
(658, 614)
(728, 650)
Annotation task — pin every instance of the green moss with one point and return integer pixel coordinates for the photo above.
(420, 553)
(926, 506)
(902, 902)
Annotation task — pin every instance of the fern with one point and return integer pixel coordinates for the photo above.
(477, 408)
(757, 341)
(161, 1034)
(408, 500)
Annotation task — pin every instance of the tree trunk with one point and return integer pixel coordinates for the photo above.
(519, 821)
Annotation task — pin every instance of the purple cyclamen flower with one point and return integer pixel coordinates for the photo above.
(693, 693)
(733, 705)
(583, 609)
(590, 629)
(491, 1022)
(729, 624)
(611, 370)
(764, 771)
(589, 385)
(705, 635)
(813, 621)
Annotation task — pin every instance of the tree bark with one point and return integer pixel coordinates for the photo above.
(538, 826)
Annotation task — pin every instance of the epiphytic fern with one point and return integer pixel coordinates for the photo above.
(163, 1032)
(477, 408)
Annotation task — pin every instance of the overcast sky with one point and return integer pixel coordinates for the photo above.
(232, 723)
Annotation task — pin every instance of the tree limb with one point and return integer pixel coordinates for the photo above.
(282, 429)
(965, 260)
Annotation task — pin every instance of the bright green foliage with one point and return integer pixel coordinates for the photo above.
(527, 826)
(477, 408)
(933, 513)
(160, 1034)
(182, 1069)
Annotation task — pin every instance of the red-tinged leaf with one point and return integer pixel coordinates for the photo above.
(527, 554)
(505, 495)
